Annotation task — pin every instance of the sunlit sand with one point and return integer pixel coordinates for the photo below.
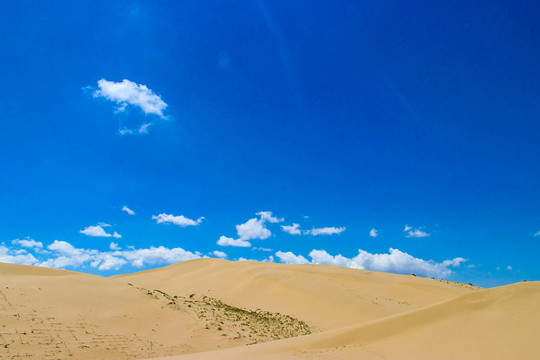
(218, 309)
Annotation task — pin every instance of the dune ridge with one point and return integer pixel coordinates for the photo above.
(499, 323)
(302, 291)
(210, 308)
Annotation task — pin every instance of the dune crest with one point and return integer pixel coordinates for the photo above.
(500, 323)
(198, 307)
(306, 292)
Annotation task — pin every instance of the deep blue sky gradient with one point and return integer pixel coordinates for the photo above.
(364, 114)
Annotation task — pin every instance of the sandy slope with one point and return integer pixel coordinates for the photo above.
(325, 297)
(57, 314)
(500, 323)
(198, 305)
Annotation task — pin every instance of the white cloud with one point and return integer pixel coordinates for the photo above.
(127, 93)
(508, 267)
(70, 256)
(268, 259)
(395, 261)
(328, 230)
(27, 243)
(418, 233)
(67, 255)
(98, 231)
(128, 210)
(219, 254)
(65, 248)
(415, 232)
(261, 249)
(226, 241)
(108, 261)
(179, 220)
(373, 232)
(13, 257)
(293, 229)
(253, 229)
(290, 258)
(157, 255)
(267, 216)
(537, 234)
(143, 129)
(62, 254)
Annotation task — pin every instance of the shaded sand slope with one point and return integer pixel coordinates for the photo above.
(56, 314)
(325, 297)
(500, 323)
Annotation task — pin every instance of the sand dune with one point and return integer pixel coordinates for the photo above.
(500, 323)
(56, 314)
(325, 297)
(280, 311)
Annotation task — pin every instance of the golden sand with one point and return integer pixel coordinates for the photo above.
(218, 309)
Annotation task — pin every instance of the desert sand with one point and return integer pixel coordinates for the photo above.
(218, 309)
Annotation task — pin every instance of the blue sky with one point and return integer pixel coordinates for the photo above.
(225, 123)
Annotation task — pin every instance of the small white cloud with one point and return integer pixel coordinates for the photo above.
(418, 233)
(508, 267)
(328, 230)
(407, 228)
(373, 232)
(395, 261)
(226, 241)
(261, 249)
(114, 246)
(102, 224)
(267, 216)
(293, 229)
(268, 259)
(143, 129)
(290, 258)
(116, 235)
(179, 220)
(98, 231)
(27, 243)
(253, 229)
(537, 234)
(127, 93)
(220, 254)
(128, 210)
